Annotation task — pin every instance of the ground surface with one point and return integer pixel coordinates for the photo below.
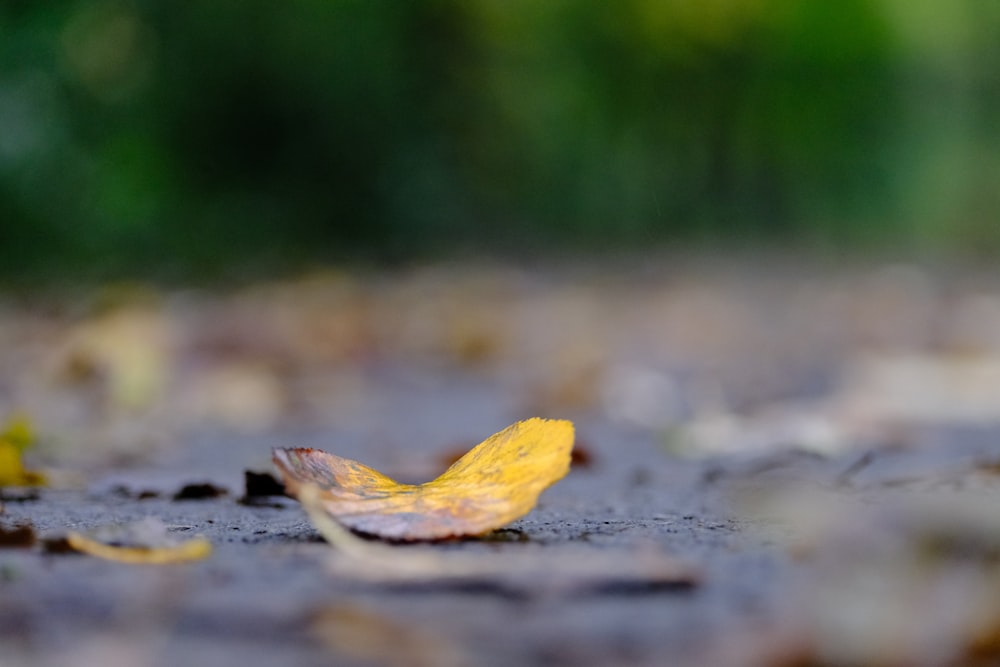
(816, 455)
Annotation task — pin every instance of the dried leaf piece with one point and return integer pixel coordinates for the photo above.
(194, 549)
(143, 542)
(262, 490)
(19, 536)
(58, 545)
(200, 491)
(17, 436)
(261, 485)
(582, 458)
(495, 483)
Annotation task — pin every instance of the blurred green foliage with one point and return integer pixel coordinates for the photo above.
(142, 136)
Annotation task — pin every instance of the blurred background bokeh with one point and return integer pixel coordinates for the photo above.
(716, 223)
(210, 139)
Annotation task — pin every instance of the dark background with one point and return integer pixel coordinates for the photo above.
(211, 139)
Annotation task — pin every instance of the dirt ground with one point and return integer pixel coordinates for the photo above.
(783, 466)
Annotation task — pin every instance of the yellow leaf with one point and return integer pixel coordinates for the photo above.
(19, 432)
(17, 436)
(194, 549)
(495, 483)
(142, 542)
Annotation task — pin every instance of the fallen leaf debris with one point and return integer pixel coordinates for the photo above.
(495, 483)
(18, 435)
(18, 536)
(260, 488)
(200, 491)
(145, 542)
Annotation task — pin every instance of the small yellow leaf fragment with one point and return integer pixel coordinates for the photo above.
(19, 432)
(495, 483)
(197, 548)
(17, 436)
(145, 542)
